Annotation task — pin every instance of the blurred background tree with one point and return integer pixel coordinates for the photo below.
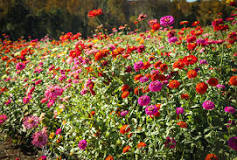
(37, 18)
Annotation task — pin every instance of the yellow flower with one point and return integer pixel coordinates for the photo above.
(51, 135)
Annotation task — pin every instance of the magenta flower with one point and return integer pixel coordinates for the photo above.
(151, 110)
(20, 66)
(53, 92)
(208, 105)
(144, 79)
(155, 86)
(3, 118)
(43, 157)
(166, 21)
(138, 65)
(82, 144)
(179, 110)
(170, 143)
(31, 122)
(123, 113)
(220, 86)
(172, 39)
(27, 99)
(58, 131)
(144, 100)
(230, 109)
(40, 139)
(232, 143)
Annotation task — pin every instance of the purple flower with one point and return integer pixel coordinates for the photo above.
(170, 143)
(123, 113)
(155, 86)
(172, 39)
(20, 66)
(138, 65)
(179, 110)
(232, 143)
(230, 109)
(144, 100)
(166, 21)
(40, 139)
(151, 110)
(3, 118)
(202, 42)
(208, 105)
(31, 122)
(144, 79)
(82, 144)
(203, 61)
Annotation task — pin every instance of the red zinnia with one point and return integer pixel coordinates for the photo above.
(125, 94)
(189, 60)
(109, 157)
(192, 74)
(211, 156)
(182, 124)
(124, 129)
(201, 88)
(95, 12)
(141, 145)
(126, 149)
(213, 82)
(233, 80)
(174, 84)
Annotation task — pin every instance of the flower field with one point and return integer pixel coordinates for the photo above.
(162, 94)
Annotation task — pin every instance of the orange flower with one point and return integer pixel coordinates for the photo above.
(201, 88)
(182, 124)
(233, 81)
(129, 135)
(125, 87)
(109, 157)
(211, 156)
(163, 67)
(126, 149)
(141, 145)
(179, 64)
(137, 77)
(136, 91)
(125, 94)
(157, 64)
(146, 65)
(174, 84)
(124, 129)
(192, 74)
(213, 81)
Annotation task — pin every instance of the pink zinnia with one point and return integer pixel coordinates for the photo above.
(144, 100)
(82, 144)
(31, 122)
(155, 86)
(53, 92)
(230, 109)
(20, 66)
(3, 118)
(151, 110)
(58, 131)
(40, 139)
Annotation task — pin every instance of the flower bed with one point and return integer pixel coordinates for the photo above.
(163, 94)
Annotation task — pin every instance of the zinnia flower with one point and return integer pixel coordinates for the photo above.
(82, 144)
(174, 84)
(31, 122)
(138, 65)
(191, 74)
(124, 129)
(230, 109)
(95, 12)
(151, 110)
(233, 81)
(126, 149)
(3, 118)
(179, 110)
(123, 113)
(155, 86)
(20, 66)
(212, 81)
(144, 100)
(166, 21)
(109, 157)
(141, 145)
(182, 124)
(208, 105)
(211, 156)
(232, 143)
(170, 143)
(40, 139)
(201, 88)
